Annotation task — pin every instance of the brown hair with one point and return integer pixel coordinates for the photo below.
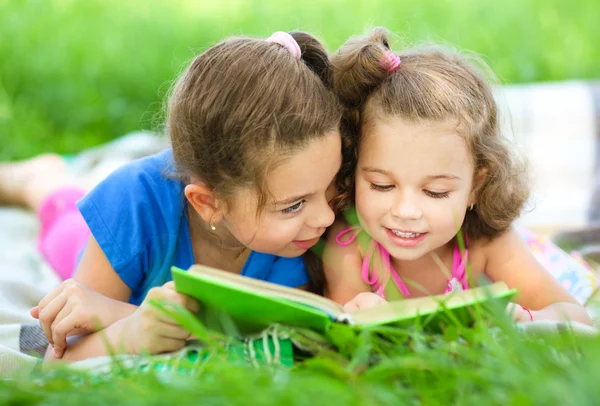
(244, 104)
(432, 83)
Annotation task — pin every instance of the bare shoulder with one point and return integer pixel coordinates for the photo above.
(342, 263)
(507, 258)
(335, 251)
(503, 254)
(508, 239)
(487, 251)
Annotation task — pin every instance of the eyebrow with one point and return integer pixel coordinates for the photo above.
(429, 178)
(444, 176)
(292, 199)
(376, 170)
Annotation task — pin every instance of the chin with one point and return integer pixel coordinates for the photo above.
(290, 251)
(406, 254)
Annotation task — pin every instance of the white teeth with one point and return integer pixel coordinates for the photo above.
(405, 235)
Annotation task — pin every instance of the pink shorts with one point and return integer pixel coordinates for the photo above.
(64, 233)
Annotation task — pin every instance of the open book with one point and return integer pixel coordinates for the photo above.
(254, 304)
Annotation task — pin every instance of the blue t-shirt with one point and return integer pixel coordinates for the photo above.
(138, 217)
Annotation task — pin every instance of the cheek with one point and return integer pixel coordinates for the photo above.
(363, 201)
(371, 204)
(273, 233)
(250, 229)
(448, 213)
(246, 232)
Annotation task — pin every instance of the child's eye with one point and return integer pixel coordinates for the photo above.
(436, 195)
(295, 208)
(381, 188)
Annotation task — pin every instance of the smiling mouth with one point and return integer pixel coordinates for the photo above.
(306, 244)
(406, 239)
(405, 234)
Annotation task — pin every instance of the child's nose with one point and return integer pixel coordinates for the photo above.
(407, 207)
(324, 217)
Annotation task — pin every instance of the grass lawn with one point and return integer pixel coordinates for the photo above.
(380, 366)
(77, 73)
(74, 74)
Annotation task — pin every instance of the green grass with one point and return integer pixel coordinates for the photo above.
(383, 366)
(77, 73)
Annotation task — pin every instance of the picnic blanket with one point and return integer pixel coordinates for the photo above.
(554, 124)
(24, 276)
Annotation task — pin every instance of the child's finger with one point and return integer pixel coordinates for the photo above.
(168, 344)
(49, 313)
(184, 300)
(516, 311)
(65, 323)
(58, 352)
(163, 292)
(162, 317)
(35, 312)
(511, 308)
(172, 331)
(191, 304)
(370, 300)
(152, 315)
(51, 353)
(169, 285)
(351, 306)
(50, 297)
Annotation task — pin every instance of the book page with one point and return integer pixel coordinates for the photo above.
(270, 289)
(409, 308)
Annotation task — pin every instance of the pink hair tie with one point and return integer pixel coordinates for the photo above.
(389, 61)
(287, 41)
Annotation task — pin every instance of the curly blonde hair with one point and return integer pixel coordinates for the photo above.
(431, 84)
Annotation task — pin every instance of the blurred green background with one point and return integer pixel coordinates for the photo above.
(74, 74)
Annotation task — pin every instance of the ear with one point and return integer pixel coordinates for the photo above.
(478, 181)
(203, 200)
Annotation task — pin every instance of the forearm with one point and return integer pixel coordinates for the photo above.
(105, 342)
(113, 311)
(122, 311)
(563, 311)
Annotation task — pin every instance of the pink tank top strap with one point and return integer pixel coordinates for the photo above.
(459, 266)
(367, 274)
(355, 230)
(385, 256)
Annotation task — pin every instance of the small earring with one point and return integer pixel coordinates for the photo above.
(471, 206)
(213, 228)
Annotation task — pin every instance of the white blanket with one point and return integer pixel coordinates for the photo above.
(24, 277)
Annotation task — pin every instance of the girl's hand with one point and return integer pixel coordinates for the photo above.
(364, 300)
(149, 329)
(519, 314)
(75, 309)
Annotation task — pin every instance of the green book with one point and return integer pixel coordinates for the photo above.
(254, 304)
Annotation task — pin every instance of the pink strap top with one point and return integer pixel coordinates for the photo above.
(459, 265)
